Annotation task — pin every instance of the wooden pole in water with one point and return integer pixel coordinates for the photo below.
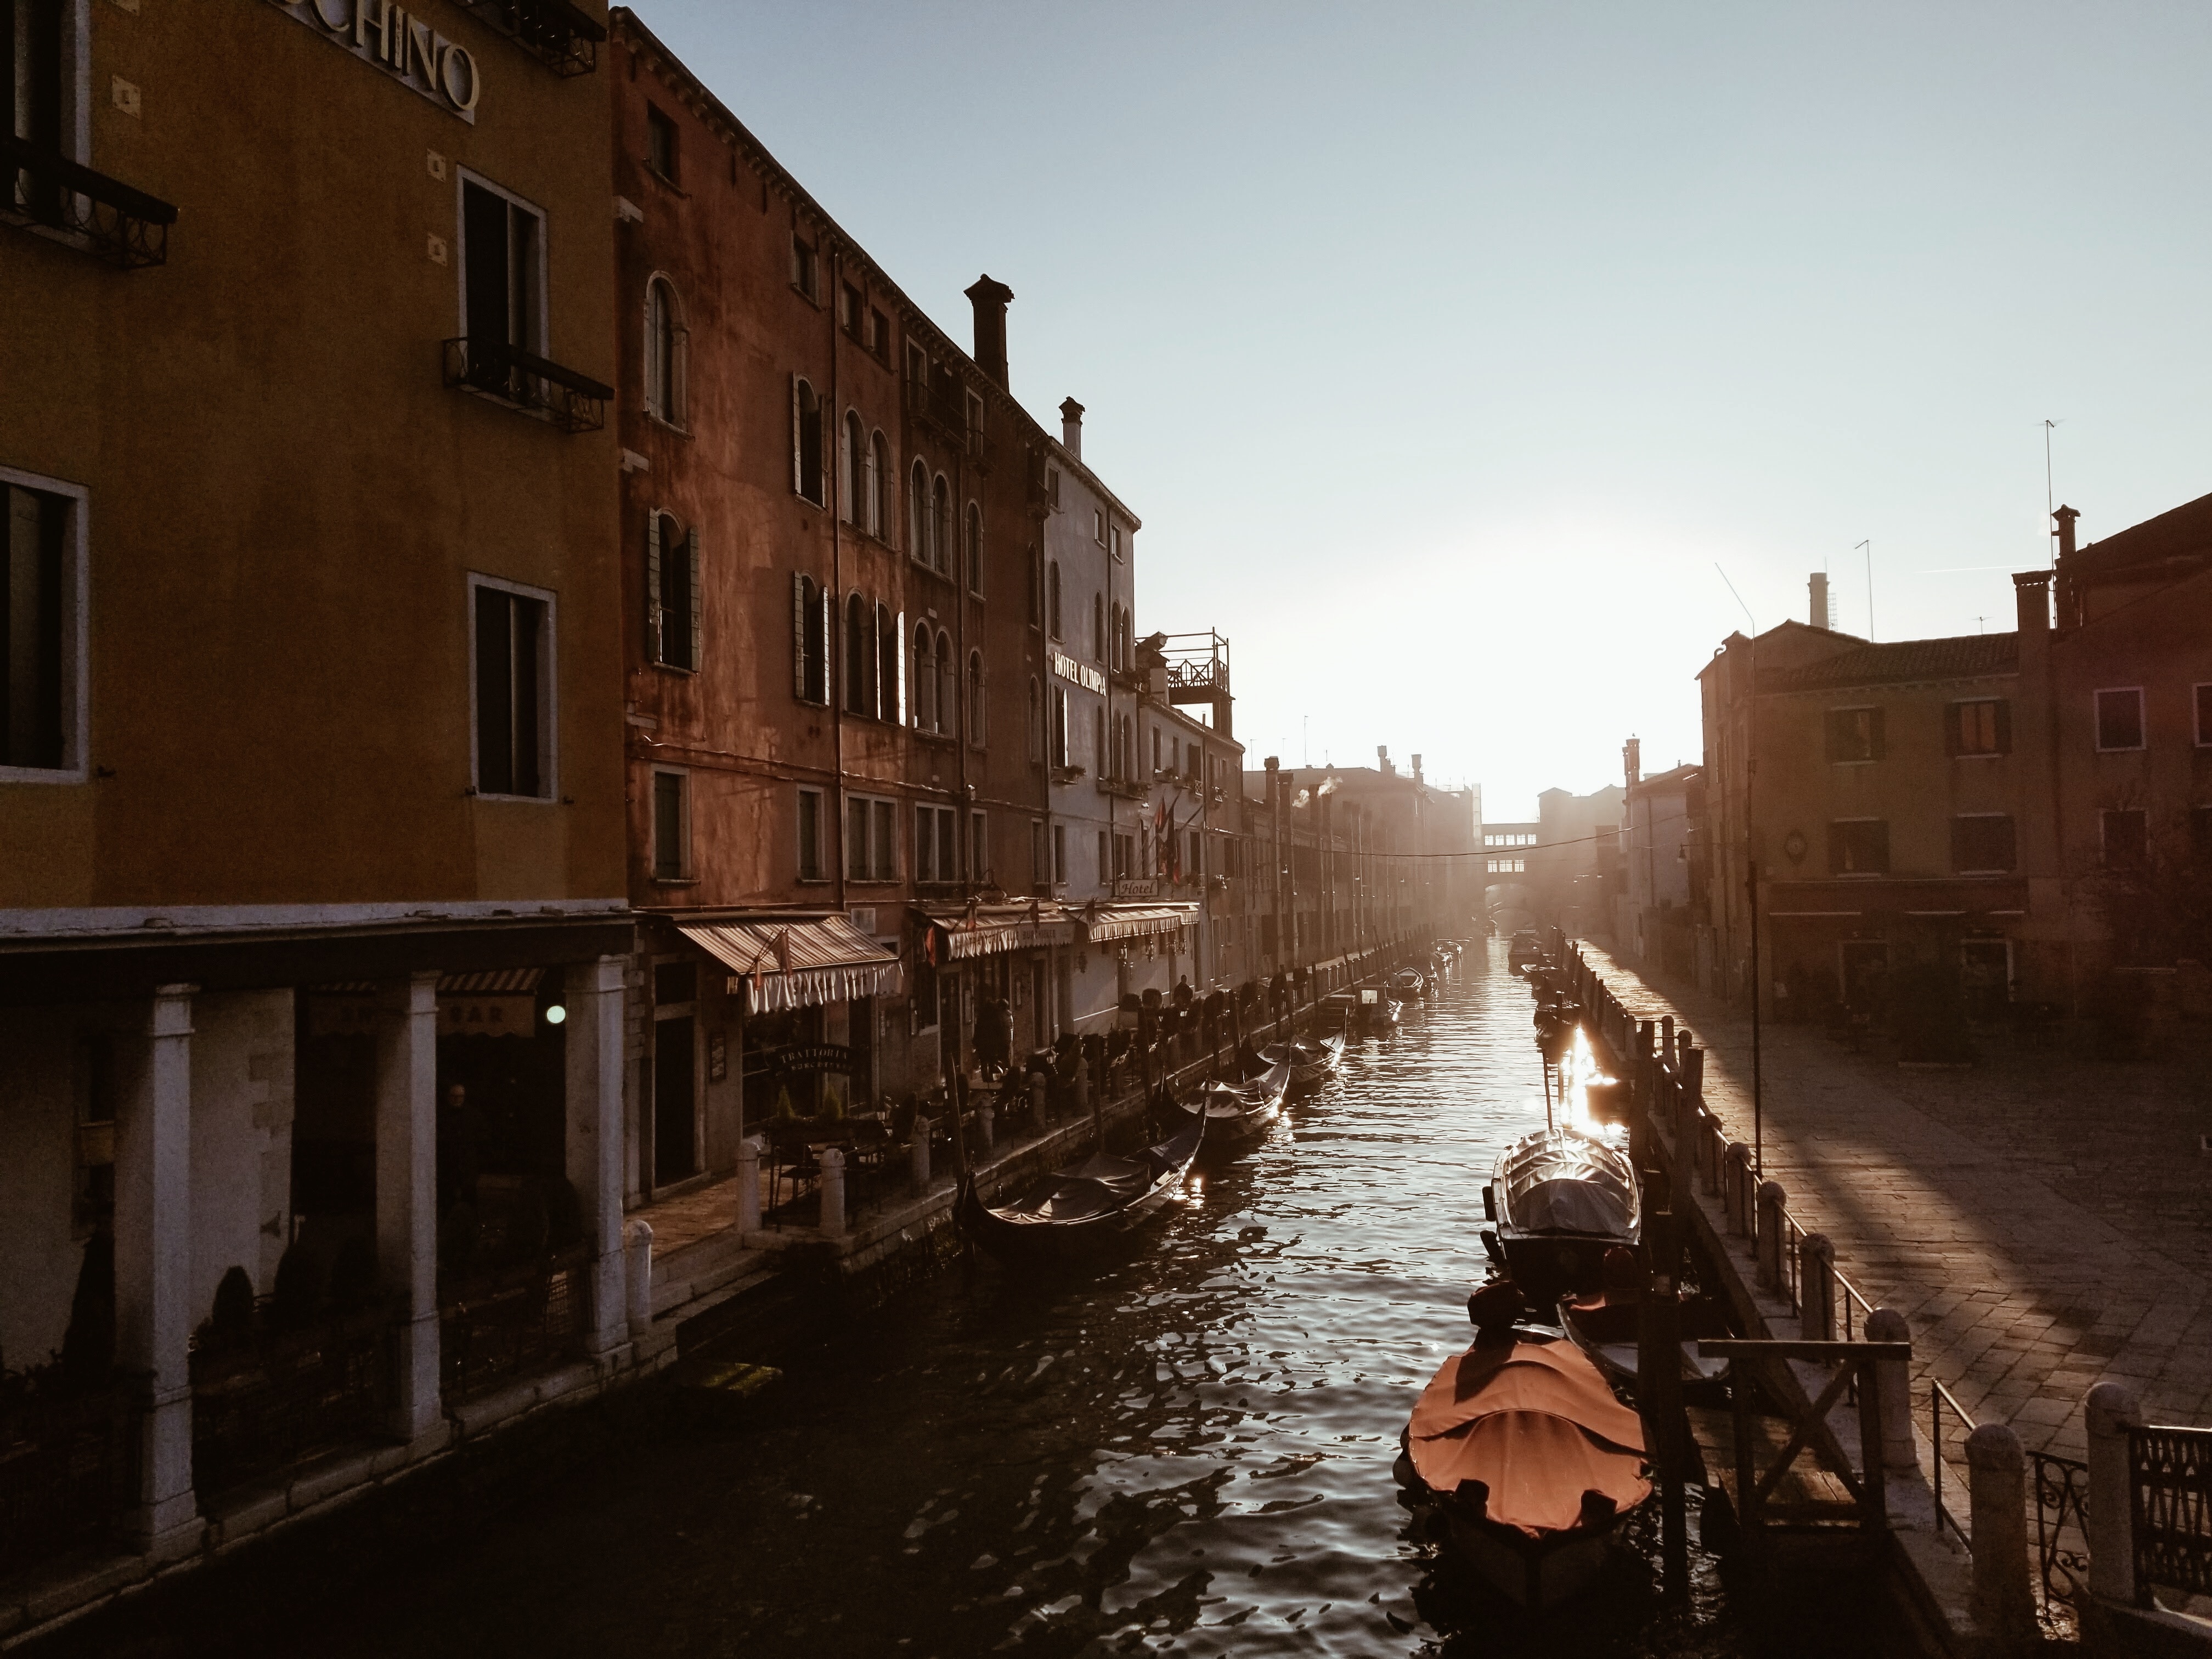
(1659, 1378)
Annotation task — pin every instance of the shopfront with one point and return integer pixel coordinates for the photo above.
(993, 966)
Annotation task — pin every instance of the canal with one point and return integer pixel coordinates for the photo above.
(1188, 1454)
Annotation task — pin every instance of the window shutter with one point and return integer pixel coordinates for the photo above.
(1873, 734)
(797, 461)
(2004, 726)
(652, 621)
(828, 621)
(899, 629)
(691, 558)
(797, 623)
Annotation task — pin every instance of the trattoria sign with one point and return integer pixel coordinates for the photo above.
(402, 46)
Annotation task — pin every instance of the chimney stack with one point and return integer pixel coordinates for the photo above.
(2030, 592)
(990, 300)
(1820, 617)
(1382, 758)
(1071, 426)
(1631, 752)
(1417, 769)
(2065, 515)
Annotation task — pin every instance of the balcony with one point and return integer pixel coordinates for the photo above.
(1127, 788)
(1066, 774)
(50, 195)
(529, 384)
(553, 32)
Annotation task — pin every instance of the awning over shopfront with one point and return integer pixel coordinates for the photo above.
(1108, 921)
(989, 929)
(798, 962)
(491, 1002)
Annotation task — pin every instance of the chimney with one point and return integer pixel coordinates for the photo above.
(1417, 769)
(1382, 759)
(1071, 426)
(990, 300)
(1631, 752)
(2065, 515)
(2031, 592)
(1820, 617)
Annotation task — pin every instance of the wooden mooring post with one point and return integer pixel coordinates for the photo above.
(1659, 1364)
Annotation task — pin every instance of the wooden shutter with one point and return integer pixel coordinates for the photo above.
(652, 621)
(2004, 726)
(798, 465)
(828, 621)
(899, 628)
(691, 555)
(798, 629)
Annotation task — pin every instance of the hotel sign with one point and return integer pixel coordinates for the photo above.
(383, 32)
(1081, 672)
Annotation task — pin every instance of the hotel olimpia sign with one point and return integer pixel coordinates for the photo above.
(402, 46)
(1082, 673)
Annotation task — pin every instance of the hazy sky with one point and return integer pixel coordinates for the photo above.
(1445, 350)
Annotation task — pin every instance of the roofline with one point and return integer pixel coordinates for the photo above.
(621, 20)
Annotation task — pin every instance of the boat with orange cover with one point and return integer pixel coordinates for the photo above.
(1521, 1458)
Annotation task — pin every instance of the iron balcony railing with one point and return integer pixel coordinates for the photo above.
(522, 380)
(553, 32)
(50, 194)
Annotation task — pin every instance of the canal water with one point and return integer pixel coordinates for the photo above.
(1187, 1454)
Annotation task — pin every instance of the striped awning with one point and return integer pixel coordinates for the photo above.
(991, 928)
(798, 962)
(490, 982)
(1105, 922)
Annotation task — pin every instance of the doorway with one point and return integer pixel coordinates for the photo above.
(1866, 974)
(1985, 976)
(675, 1149)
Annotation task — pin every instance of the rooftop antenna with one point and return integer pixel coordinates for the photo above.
(1747, 617)
(1305, 740)
(1869, 545)
(2049, 501)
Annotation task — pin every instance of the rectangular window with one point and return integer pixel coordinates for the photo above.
(1038, 872)
(871, 838)
(1125, 856)
(1059, 727)
(1097, 526)
(1059, 852)
(1113, 538)
(810, 835)
(1982, 726)
(2120, 718)
(1983, 844)
(879, 335)
(671, 582)
(979, 847)
(672, 827)
(884, 844)
(925, 843)
(1858, 847)
(1854, 734)
(856, 839)
(37, 612)
(513, 669)
(850, 309)
(2127, 839)
(1052, 486)
(805, 268)
(502, 275)
(660, 144)
(1105, 859)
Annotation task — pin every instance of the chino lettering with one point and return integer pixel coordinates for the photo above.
(384, 33)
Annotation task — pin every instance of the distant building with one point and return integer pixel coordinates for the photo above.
(1662, 882)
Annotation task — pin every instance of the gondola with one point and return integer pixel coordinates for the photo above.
(1409, 982)
(1519, 1459)
(1608, 1326)
(1523, 950)
(1086, 1212)
(1365, 1012)
(1559, 1200)
(1309, 1061)
(1239, 1115)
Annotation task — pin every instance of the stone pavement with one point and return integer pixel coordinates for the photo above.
(2044, 1221)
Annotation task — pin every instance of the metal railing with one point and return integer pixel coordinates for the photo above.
(524, 381)
(69, 1462)
(496, 1327)
(553, 32)
(47, 191)
(275, 1397)
(1938, 1398)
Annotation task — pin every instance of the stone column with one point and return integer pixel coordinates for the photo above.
(1771, 1202)
(833, 1192)
(1816, 1290)
(154, 1317)
(1996, 1482)
(1895, 1378)
(407, 1192)
(594, 994)
(2110, 1412)
(749, 1202)
(637, 1276)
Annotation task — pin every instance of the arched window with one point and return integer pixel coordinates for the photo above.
(665, 341)
(979, 714)
(1098, 739)
(948, 687)
(879, 487)
(887, 668)
(925, 682)
(671, 582)
(806, 440)
(1052, 598)
(917, 513)
(1036, 591)
(860, 657)
(852, 485)
(1098, 626)
(811, 640)
(1036, 722)
(974, 548)
(941, 527)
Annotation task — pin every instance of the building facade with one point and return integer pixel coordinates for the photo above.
(313, 908)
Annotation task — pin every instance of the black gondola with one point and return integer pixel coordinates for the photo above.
(1309, 1061)
(1239, 1115)
(1560, 1199)
(1087, 1211)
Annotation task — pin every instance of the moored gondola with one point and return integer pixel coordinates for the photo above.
(1088, 1211)
(1239, 1115)
(1409, 982)
(1368, 1011)
(1560, 1199)
(1311, 1061)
